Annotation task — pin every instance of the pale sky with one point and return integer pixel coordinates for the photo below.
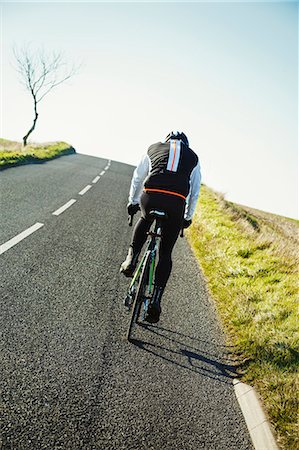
(224, 73)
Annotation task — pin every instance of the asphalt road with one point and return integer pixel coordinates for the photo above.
(69, 379)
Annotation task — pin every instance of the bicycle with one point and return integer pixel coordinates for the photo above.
(141, 287)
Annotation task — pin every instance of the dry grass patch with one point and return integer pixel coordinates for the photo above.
(13, 153)
(250, 260)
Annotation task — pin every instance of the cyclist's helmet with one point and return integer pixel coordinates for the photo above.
(178, 135)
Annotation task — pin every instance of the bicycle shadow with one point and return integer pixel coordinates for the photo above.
(187, 356)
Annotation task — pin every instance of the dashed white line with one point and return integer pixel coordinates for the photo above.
(64, 207)
(7, 245)
(96, 179)
(85, 189)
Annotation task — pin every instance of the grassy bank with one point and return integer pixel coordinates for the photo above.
(250, 260)
(13, 154)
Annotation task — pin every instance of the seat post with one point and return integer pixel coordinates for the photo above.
(158, 216)
(158, 225)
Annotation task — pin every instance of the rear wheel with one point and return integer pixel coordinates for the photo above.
(139, 297)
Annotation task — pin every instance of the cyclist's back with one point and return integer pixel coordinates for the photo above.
(171, 164)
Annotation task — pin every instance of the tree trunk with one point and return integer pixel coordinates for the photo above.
(25, 138)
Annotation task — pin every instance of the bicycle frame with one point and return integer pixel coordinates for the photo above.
(139, 294)
(152, 247)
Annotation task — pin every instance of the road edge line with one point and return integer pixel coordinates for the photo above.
(257, 423)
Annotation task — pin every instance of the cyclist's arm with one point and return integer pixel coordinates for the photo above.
(139, 176)
(191, 200)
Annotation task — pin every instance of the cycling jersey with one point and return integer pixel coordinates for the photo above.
(170, 168)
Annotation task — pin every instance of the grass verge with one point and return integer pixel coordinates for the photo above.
(12, 154)
(250, 260)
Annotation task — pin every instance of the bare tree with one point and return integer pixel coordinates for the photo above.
(40, 72)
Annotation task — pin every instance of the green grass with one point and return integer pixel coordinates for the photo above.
(13, 154)
(250, 260)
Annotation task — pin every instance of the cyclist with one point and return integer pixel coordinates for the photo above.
(168, 179)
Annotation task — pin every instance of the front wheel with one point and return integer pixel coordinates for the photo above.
(139, 297)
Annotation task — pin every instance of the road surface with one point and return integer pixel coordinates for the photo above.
(69, 378)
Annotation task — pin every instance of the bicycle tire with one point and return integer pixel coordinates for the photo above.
(139, 294)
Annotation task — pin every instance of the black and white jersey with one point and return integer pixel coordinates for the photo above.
(170, 167)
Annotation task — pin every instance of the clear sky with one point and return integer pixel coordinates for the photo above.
(224, 73)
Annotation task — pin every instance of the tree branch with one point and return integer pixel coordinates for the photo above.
(40, 73)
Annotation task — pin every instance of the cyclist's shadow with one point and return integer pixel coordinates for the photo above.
(187, 356)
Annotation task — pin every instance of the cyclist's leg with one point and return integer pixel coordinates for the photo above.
(138, 238)
(144, 223)
(163, 269)
(170, 232)
(140, 234)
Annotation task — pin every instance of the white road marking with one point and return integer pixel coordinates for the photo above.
(64, 207)
(96, 179)
(257, 423)
(7, 245)
(85, 189)
(20, 237)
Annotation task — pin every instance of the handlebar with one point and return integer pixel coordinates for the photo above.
(130, 220)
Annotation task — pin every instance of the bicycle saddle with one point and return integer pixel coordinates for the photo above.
(158, 214)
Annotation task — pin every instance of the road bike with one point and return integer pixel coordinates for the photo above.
(142, 285)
